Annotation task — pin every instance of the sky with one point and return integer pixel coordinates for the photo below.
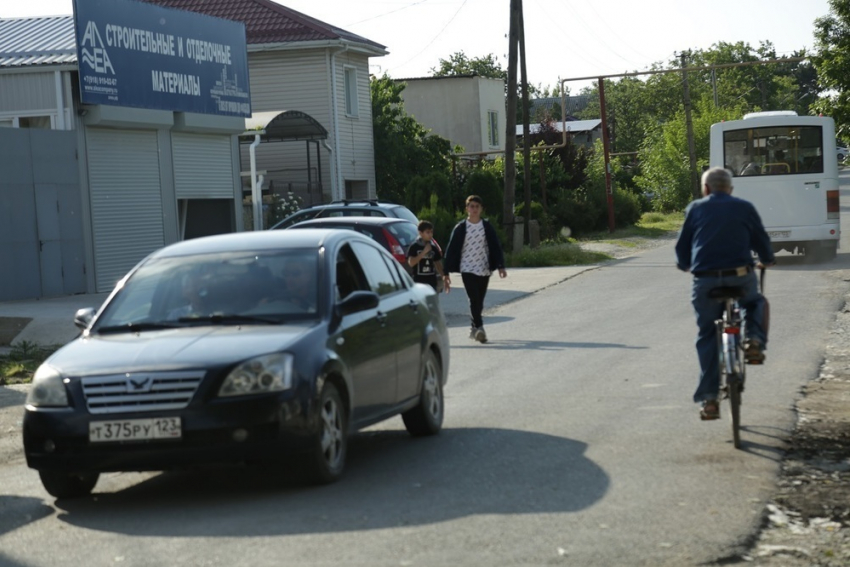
(565, 39)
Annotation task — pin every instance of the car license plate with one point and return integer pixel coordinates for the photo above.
(779, 234)
(135, 429)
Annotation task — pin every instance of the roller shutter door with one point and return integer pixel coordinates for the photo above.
(203, 166)
(126, 200)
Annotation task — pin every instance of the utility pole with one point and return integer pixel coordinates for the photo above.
(526, 150)
(692, 151)
(510, 134)
(606, 150)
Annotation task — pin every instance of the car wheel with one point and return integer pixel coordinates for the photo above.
(427, 417)
(326, 460)
(62, 484)
(840, 157)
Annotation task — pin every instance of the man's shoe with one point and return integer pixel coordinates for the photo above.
(472, 333)
(710, 410)
(480, 335)
(753, 352)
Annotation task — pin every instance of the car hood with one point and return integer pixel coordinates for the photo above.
(190, 347)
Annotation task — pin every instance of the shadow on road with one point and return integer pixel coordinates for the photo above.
(18, 511)
(391, 481)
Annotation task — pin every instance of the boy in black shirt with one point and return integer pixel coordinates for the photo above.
(425, 258)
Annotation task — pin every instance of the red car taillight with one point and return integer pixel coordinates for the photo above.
(833, 209)
(395, 247)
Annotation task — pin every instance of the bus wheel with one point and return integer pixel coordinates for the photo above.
(822, 251)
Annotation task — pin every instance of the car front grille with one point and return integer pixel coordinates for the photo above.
(139, 392)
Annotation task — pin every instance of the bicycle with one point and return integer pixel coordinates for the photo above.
(731, 337)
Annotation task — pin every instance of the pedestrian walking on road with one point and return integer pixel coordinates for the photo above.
(474, 250)
(716, 243)
(426, 260)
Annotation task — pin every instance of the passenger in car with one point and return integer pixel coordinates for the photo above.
(195, 293)
(299, 274)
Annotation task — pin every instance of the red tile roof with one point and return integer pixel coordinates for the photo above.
(268, 22)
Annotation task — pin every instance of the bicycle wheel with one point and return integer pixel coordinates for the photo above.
(733, 389)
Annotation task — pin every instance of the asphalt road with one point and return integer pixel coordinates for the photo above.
(570, 439)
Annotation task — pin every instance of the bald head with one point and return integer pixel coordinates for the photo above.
(716, 180)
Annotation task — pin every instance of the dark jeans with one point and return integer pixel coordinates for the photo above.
(707, 311)
(476, 289)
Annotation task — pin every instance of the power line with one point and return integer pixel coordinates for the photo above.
(434, 39)
(388, 13)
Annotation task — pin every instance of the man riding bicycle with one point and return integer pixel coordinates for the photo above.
(715, 244)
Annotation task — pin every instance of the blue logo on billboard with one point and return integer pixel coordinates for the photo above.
(94, 51)
(137, 54)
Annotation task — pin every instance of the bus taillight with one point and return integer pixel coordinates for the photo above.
(832, 207)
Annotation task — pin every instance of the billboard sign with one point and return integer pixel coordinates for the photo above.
(135, 54)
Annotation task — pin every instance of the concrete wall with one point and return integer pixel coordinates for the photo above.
(457, 108)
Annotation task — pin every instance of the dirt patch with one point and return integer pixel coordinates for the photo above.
(808, 521)
(625, 247)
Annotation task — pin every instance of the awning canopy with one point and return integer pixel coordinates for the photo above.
(284, 126)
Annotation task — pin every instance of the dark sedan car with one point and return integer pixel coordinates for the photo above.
(239, 348)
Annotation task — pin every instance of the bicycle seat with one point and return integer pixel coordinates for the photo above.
(726, 292)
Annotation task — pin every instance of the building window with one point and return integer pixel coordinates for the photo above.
(351, 105)
(42, 122)
(493, 128)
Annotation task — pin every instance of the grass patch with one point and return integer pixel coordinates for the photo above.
(650, 225)
(565, 254)
(20, 364)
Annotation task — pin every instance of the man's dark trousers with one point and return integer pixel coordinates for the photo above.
(476, 289)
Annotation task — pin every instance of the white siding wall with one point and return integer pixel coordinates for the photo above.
(290, 81)
(302, 81)
(356, 144)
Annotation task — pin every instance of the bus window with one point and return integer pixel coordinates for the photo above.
(775, 150)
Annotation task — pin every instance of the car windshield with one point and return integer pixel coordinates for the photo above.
(246, 287)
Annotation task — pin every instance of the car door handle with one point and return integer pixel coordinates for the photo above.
(414, 305)
(382, 318)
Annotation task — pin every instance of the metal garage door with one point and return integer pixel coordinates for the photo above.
(126, 200)
(203, 166)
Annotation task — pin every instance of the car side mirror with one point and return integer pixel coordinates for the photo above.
(357, 301)
(83, 317)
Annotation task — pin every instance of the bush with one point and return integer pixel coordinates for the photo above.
(443, 221)
(575, 212)
(486, 185)
(547, 224)
(422, 187)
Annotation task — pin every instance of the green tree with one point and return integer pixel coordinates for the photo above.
(460, 64)
(665, 169)
(404, 149)
(832, 62)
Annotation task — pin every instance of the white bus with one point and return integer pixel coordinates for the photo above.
(786, 166)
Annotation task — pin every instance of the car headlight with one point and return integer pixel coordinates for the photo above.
(48, 389)
(269, 373)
